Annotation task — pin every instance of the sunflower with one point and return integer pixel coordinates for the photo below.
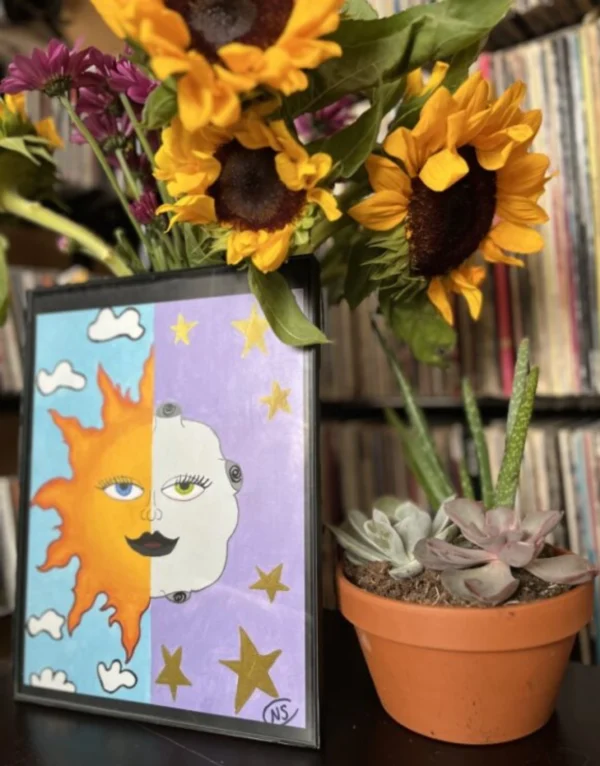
(467, 183)
(221, 48)
(265, 184)
(416, 85)
(45, 128)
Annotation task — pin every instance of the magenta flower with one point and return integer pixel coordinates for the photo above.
(326, 121)
(144, 208)
(54, 71)
(94, 100)
(127, 78)
(110, 131)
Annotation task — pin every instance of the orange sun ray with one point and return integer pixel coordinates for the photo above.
(94, 525)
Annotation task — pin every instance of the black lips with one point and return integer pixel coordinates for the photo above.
(153, 544)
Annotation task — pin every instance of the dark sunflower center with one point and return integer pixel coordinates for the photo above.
(447, 227)
(249, 193)
(214, 23)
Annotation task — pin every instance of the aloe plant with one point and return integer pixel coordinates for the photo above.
(392, 534)
(503, 542)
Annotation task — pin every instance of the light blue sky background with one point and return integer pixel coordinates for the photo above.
(63, 336)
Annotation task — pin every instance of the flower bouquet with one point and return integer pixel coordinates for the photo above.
(246, 133)
(442, 667)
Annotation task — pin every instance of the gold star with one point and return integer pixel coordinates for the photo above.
(253, 329)
(171, 675)
(182, 330)
(270, 583)
(277, 401)
(252, 669)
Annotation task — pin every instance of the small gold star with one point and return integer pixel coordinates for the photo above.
(270, 583)
(182, 330)
(253, 329)
(277, 401)
(171, 675)
(252, 669)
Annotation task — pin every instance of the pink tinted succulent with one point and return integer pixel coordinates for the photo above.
(503, 541)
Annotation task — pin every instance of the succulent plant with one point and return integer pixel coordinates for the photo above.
(503, 541)
(391, 534)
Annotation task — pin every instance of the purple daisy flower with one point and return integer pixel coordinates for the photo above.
(327, 121)
(144, 208)
(110, 131)
(128, 79)
(54, 71)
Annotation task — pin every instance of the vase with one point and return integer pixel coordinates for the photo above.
(467, 675)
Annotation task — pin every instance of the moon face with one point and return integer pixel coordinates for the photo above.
(193, 508)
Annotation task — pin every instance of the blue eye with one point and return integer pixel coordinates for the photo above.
(122, 490)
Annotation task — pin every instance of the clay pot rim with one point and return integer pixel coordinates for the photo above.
(471, 629)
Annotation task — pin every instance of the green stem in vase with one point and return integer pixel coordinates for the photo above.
(11, 202)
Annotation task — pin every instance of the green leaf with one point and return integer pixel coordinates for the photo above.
(382, 50)
(359, 9)
(466, 485)
(18, 145)
(127, 252)
(4, 301)
(421, 326)
(281, 309)
(481, 450)
(519, 382)
(416, 461)
(161, 106)
(350, 147)
(358, 285)
(508, 478)
(422, 436)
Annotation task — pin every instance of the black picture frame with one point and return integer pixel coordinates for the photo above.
(302, 274)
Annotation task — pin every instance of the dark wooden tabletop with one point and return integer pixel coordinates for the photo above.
(356, 731)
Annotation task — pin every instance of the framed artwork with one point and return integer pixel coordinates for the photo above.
(168, 566)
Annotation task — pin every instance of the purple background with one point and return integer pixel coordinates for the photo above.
(214, 384)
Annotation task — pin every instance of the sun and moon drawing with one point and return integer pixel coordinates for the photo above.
(166, 533)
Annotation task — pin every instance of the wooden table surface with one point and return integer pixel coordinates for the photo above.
(356, 731)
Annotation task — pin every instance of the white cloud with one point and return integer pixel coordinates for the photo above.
(64, 376)
(50, 679)
(108, 326)
(114, 677)
(50, 622)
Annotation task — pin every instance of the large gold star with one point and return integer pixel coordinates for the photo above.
(253, 329)
(182, 330)
(252, 669)
(270, 583)
(171, 675)
(277, 401)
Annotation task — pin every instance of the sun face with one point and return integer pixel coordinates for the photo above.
(105, 505)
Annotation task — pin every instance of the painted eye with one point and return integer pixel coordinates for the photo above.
(125, 490)
(184, 488)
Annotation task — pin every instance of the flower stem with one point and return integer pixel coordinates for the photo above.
(145, 144)
(11, 202)
(81, 127)
(131, 182)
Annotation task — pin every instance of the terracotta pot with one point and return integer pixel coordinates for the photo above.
(467, 675)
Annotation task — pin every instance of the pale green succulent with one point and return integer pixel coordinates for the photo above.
(391, 534)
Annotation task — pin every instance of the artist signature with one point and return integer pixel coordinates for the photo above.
(280, 712)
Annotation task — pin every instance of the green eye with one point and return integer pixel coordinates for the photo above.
(184, 488)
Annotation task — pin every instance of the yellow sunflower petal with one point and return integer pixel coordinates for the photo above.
(15, 103)
(197, 209)
(465, 282)
(520, 210)
(401, 144)
(227, 106)
(165, 66)
(467, 92)
(495, 159)
(443, 169)
(271, 254)
(326, 201)
(431, 128)
(195, 103)
(524, 176)
(310, 19)
(415, 85)
(242, 59)
(436, 292)
(493, 254)
(516, 239)
(304, 174)
(386, 175)
(46, 128)
(381, 211)
(243, 244)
